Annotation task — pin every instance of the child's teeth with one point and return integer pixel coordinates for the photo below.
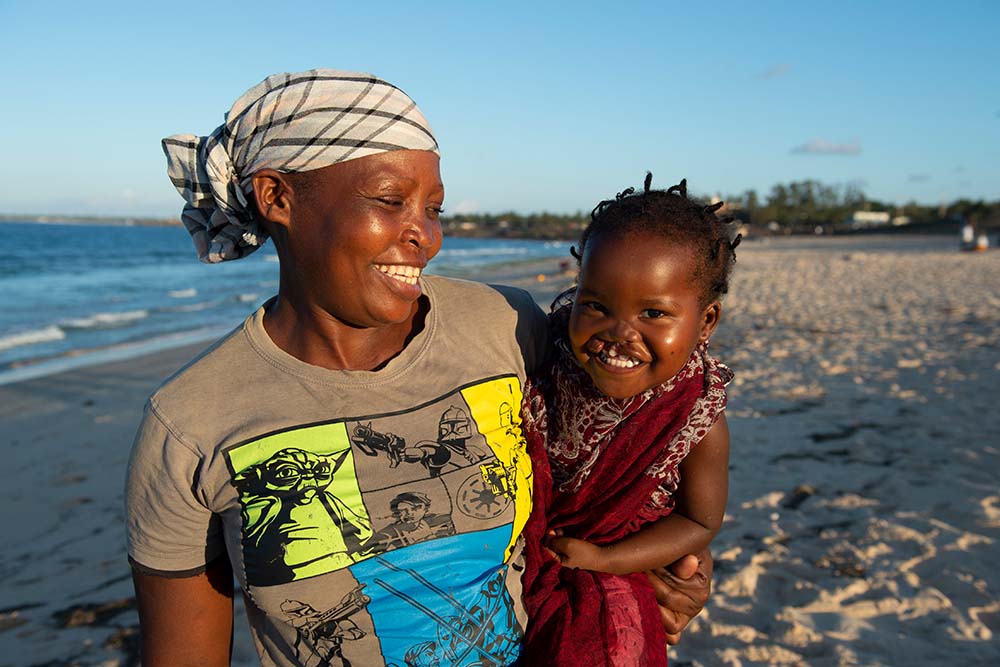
(611, 358)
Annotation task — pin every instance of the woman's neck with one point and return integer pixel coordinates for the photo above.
(316, 337)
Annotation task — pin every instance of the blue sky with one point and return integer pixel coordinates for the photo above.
(537, 106)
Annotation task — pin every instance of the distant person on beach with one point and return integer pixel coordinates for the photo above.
(630, 412)
(968, 236)
(286, 454)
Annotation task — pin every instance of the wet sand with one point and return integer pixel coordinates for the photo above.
(864, 501)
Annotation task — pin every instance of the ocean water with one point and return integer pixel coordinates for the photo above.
(78, 294)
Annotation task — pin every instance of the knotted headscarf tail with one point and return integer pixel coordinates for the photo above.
(290, 123)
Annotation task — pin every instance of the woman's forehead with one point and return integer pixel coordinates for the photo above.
(405, 165)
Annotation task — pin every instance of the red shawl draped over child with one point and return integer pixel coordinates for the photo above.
(612, 467)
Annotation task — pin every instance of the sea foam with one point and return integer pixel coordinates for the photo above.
(21, 338)
(190, 307)
(105, 320)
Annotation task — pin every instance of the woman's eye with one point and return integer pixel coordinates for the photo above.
(436, 210)
(391, 201)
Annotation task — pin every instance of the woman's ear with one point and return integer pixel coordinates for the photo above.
(273, 195)
(709, 320)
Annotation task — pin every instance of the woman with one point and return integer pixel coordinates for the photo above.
(277, 453)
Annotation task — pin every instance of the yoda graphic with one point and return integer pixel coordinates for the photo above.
(294, 523)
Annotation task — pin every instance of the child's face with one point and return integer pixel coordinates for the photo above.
(637, 315)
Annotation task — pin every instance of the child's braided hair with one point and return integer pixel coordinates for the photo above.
(674, 216)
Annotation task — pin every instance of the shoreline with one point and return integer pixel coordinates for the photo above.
(530, 274)
(523, 273)
(862, 521)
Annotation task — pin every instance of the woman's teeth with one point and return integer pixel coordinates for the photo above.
(612, 357)
(404, 274)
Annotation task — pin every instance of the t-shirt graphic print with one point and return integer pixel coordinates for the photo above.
(392, 528)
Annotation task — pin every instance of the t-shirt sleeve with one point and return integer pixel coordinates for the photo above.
(169, 528)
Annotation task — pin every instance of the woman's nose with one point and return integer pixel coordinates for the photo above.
(422, 229)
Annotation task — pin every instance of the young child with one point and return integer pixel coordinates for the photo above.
(630, 413)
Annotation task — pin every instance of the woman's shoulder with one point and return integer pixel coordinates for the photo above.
(465, 300)
(221, 367)
(493, 317)
(483, 295)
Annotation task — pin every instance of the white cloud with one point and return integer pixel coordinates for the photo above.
(775, 71)
(464, 206)
(821, 147)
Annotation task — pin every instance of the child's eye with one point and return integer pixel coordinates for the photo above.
(594, 305)
(653, 313)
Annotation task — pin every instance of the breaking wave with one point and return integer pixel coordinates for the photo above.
(105, 320)
(21, 338)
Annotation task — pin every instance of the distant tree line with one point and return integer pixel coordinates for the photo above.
(789, 208)
(800, 206)
(545, 225)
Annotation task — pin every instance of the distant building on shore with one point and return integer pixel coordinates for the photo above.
(866, 219)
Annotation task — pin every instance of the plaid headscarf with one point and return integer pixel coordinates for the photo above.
(290, 123)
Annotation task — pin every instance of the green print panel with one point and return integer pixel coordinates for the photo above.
(302, 509)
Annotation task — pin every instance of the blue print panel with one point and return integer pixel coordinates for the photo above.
(450, 594)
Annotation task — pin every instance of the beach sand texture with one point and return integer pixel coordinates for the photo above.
(864, 504)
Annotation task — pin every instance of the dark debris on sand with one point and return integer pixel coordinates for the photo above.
(123, 641)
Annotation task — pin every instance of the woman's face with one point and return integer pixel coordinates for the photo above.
(360, 234)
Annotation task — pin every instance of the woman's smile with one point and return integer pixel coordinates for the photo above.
(402, 279)
(401, 272)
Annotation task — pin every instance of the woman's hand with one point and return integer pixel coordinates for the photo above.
(681, 591)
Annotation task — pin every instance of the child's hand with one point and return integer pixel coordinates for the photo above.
(578, 554)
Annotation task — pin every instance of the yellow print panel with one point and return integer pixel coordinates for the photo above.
(496, 409)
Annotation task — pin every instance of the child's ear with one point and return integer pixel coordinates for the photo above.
(709, 320)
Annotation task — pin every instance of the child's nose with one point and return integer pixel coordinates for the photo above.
(623, 331)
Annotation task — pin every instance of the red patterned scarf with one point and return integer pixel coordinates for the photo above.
(614, 468)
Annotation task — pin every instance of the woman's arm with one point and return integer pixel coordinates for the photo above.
(697, 517)
(187, 621)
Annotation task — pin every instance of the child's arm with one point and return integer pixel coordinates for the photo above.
(697, 516)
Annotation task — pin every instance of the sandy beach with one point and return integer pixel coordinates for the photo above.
(864, 505)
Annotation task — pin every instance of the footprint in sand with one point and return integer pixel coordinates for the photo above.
(991, 508)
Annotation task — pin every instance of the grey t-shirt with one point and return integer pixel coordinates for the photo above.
(370, 517)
